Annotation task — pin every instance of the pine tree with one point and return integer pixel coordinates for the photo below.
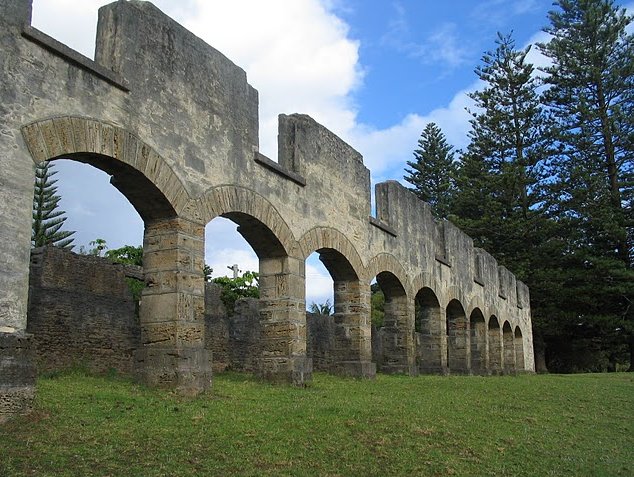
(591, 94)
(433, 170)
(502, 172)
(47, 218)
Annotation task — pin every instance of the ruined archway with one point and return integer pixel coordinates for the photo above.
(172, 335)
(508, 346)
(352, 353)
(281, 281)
(519, 349)
(457, 338)
(495, 345)
(397, 353)
(428, 327)
(478, 336)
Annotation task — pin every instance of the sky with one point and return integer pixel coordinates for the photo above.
(375, 72)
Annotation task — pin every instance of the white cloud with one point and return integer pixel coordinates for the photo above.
(297, 54)
(319, 285)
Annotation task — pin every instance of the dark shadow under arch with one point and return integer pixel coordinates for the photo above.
(478, 342)
(428, 329)
(495, 345)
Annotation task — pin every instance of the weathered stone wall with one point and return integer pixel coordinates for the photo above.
(81, 313)
(175, 123)
(233, 338)
(17, 369)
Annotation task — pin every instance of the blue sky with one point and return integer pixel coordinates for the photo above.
(374, 72)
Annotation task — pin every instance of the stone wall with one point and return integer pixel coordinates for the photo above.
(81, 312)
(234, 340)
(175, 124)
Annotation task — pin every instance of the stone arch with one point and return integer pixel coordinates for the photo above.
(326, 238)
(457, 338)
(429, 328)
(260, 223)
(494, 337)
(519, 349)
(396, 335)
(508, 348)
(173, 300)
(478, 341)
(281, 279)
(137, 170)
(386, 262)
(352, 353)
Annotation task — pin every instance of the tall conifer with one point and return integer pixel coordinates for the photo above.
(47, 218)
(433, 170)
(503, 169)
(590, 91)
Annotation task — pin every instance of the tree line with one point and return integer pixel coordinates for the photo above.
(546, 182)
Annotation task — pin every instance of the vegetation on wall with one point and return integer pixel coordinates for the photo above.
(233, 289)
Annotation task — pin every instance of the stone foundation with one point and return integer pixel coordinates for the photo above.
(17, 368)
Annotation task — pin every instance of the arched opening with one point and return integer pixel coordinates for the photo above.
(279, 341)
(232, 315)
(171, 352)
(320, 327)
(351, 344)
(509, 349)
(457, 338)
(495, 346)
(82, 308)
(396, 337)
(478, 342)
(428, 331)
(519, 350)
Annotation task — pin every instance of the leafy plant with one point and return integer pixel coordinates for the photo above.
(324, 308)
(245, 286)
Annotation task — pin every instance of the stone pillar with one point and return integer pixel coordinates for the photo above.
(17, 374)
(283, 321)
(398, 336)
(352, 352)
(17, 369)
(172, 353)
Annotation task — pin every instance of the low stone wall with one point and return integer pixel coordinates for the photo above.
(233, 340)
(81, 312)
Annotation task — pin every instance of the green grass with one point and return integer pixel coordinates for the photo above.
(575, 425)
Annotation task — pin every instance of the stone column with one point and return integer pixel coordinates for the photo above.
(283, 321)
(17, 374)
(398, 336)
(172, 308)
(352, 352)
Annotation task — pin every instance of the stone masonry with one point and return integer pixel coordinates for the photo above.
(81, 313)
(175, 123)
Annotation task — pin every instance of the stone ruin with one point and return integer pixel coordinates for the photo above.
(175, 123)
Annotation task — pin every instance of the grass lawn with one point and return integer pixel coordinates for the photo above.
(574, 425)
